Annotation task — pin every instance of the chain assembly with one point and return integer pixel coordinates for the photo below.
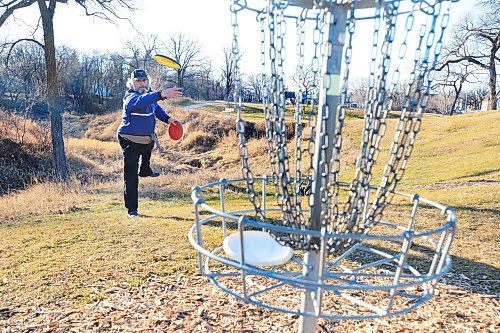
(356, 213)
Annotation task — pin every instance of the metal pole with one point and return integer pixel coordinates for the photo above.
(222, 192)
(198, 234)
(324, 143)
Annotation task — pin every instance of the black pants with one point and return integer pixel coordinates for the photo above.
(131, 153)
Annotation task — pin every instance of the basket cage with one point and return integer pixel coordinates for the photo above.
(358, 250)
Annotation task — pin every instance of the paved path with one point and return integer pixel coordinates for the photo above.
(196, 106)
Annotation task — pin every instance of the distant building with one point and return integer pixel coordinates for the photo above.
(485, 102)
(484, 105)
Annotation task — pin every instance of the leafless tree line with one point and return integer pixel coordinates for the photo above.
(95, 82)
(36, 75)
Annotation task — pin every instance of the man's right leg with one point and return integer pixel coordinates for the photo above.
(131, 155)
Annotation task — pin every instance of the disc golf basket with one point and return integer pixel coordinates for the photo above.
(338, 242)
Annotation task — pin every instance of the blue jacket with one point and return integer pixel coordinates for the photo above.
(140, 113)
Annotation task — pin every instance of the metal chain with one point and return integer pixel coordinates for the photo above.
(240, 123)
(411, 117)
(323, 135)
(299, 110)
(343, 221)
(315, 69)
(285, 179)
(406, 118)
(275, 123)
(271, 124)
(374, 128)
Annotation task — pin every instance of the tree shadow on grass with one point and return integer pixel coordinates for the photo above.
(165, 194)
(477, 210)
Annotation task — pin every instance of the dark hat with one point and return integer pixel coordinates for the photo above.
(139, 74)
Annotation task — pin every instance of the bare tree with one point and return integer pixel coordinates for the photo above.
(453, 78)
(67, 66)
(187, 52)
(139, 51)
(398, 94)
(206, 82)
(358, 89)
(477, 42)
(228, 73)
(218, 88)
(476, 96)
(104, 9)
(305, 81)
(494, 7)
(23, 74)
(91, 83)
(255, 85)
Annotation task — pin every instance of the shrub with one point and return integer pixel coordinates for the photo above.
(25, 152)
(200, 141)
(22, 165)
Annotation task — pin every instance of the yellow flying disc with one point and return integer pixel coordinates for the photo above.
(166, 61)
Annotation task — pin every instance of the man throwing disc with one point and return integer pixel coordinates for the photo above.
(140, 110)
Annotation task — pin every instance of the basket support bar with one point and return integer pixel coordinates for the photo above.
(324, 143)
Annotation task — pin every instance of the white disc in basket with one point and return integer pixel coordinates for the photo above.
(261, 249)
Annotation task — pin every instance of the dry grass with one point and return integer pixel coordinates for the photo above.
(101, 156)
(104, 127)
(200, 140)
(45, 199)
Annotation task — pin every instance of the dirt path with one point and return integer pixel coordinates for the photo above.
(453, 185)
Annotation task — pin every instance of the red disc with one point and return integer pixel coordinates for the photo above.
(176, 130)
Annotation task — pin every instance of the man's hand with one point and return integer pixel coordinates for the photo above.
(174, 92)
(172, 120)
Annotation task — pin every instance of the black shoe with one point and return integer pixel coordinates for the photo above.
(133, 214)
(151, 174)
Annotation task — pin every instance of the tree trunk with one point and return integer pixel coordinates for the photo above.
(492, 105)
(458, 90)
(58, 154)
(180, 78)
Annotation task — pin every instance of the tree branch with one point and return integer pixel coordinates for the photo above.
(18, 41)
(10, 10)
(470, 59)
(107, 7)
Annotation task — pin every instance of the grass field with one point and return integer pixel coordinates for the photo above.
(71, 260)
